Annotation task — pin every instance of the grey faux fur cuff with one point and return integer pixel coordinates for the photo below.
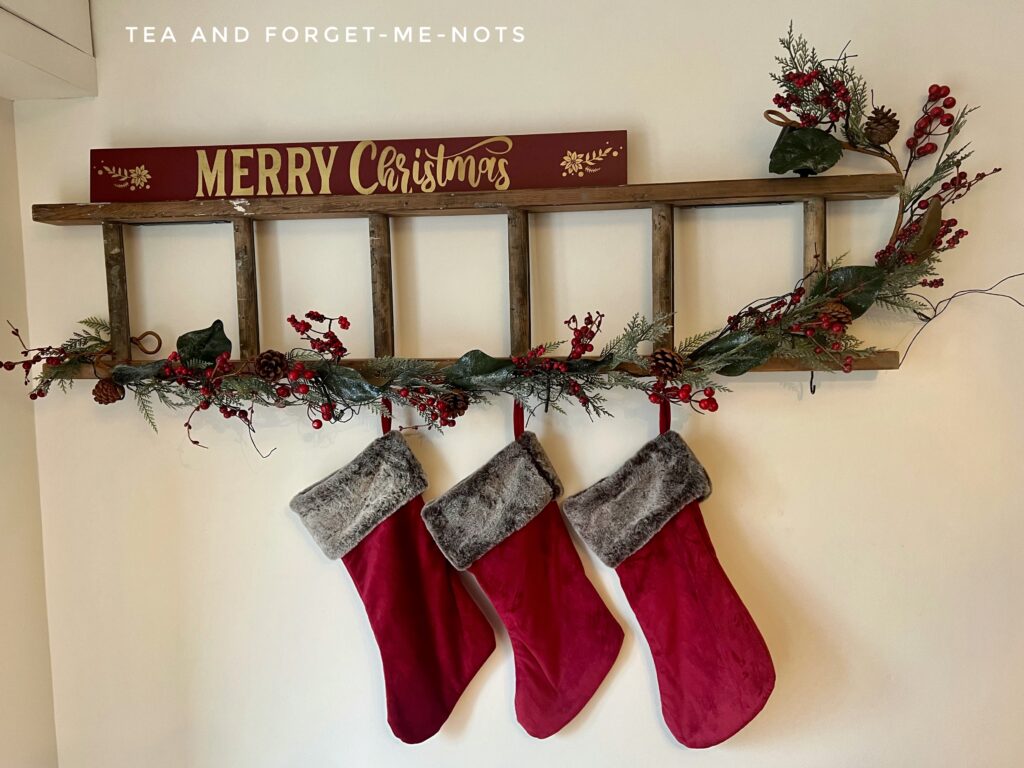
(494, 502)
(619, 514)
(345, 506)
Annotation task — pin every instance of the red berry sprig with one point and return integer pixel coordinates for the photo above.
(766, 314)
(933, 118)
(33, 356)
(583, 335)
(816, 100)
(954, 188)
(431, 405)
(662, 392)
(323, 341)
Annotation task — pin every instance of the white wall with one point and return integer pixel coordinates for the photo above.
(26, 691)
(874, 529)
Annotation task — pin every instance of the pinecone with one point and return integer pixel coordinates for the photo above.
(836, 312)
(882, 126)
(107, 391)
(666, 364)
(271, 365)
(455, 403)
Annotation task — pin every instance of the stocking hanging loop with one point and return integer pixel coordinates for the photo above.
(385, 416)
(664, 416)
(518, 419)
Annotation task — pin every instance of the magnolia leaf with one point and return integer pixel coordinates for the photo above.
(855, 287)
(591, 365)
(478, 370)
(204, 345)
(924, 242)
(742, 351)
(804, 150)
(346, 384)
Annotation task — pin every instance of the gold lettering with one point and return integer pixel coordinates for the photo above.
(456, 167)
(325, 167)
(239, 173)
(353, 167)
(210, 175)
(299, 162)
(385, 174)
(503, 181)
(269, 168)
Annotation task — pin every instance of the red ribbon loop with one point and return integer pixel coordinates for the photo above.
(665, 416)
(518, 419)
(385, 418)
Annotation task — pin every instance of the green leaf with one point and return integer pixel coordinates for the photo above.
(804, 150)
(204, 345)
(478, 370)
(855, 287)
(590, 366)
(132, 374)
(347, 384)
(740, 351)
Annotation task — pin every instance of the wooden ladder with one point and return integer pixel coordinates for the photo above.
(662, 200)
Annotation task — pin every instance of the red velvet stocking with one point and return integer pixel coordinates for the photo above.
(714, 670)
(432, 636)
(502, 524)
(644, 520)
(563, 638)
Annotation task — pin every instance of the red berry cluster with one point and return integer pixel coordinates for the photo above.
(766, 315)
(583, 335)
(827, 332)
(661, 392)
(933, 118)
(534, 362)
(298, 378)
(176, 370)
(947, 237)
(297, 383)
(938, 282)
(826, 107)
(326, 411)
(33, 356)
(897, 252)
(324, 342)
(431, 407)
(208, 382)
(528, 360)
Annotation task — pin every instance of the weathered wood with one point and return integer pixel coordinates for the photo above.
(663, 269)
(519, 281)
(883, 360)
(117, 291)
(245, 287)
(382, 286)
(814, 233)
(681, 194)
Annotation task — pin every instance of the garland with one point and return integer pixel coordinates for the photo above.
(810, 323)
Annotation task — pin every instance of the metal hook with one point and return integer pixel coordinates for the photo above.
(812, 386)
(137, 341)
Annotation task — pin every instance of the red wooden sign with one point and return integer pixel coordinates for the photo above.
(596, 158)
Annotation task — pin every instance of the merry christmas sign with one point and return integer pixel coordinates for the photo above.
(477, 163)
